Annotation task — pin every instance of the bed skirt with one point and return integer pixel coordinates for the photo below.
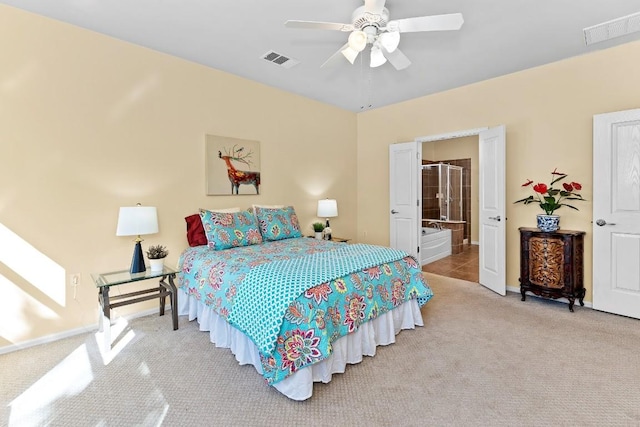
(349, 349)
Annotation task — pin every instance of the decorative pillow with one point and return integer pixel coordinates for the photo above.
(254, 207)
(230, 229)
(195, 232)
(278, 224)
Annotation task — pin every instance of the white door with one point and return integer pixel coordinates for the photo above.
(616, 213)
(404, 203)
(491, 148)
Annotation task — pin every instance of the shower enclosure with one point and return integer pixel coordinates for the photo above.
(442, 192)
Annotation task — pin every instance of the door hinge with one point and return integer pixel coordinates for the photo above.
(418, 202)
(418, 249)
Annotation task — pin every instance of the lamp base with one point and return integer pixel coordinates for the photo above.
(327, 230)
(137, 262)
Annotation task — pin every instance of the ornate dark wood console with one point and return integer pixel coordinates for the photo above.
(551, 264)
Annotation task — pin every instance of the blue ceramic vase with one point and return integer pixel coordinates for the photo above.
(548, 223)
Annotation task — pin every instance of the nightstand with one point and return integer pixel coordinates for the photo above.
(339, 239)
(335, 239)
(166, 288)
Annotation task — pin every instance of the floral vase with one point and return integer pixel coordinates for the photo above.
(548, 223)
(318, 235)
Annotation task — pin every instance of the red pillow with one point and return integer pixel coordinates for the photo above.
(195, 231)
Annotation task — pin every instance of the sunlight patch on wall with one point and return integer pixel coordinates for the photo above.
(32, 265)
(36, 406)
(18, 311)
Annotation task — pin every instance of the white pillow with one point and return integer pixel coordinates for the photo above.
(268, 206)
(253, 207)
(227, 210)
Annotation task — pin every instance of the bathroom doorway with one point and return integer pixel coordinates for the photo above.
(450, 200)
(405, 220)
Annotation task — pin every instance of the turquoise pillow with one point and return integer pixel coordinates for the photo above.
(230, 229)
(278, 224)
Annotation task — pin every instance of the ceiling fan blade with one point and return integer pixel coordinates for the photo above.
(374, 6)
(451, 21)
(396, 58)
(315, 25)
(332, 59)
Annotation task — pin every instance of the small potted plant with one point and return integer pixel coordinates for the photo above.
(317, 228)
(156, 255)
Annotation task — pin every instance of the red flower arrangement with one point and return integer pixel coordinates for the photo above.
(551, 199)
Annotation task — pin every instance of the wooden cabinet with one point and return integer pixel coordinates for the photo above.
(551, 264)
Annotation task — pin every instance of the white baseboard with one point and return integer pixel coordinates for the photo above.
(71, 332)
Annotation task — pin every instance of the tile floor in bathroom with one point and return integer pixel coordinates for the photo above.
(460, 266)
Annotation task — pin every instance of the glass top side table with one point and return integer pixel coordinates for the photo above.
(166, 288)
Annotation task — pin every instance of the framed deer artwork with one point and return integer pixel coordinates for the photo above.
(232, 166)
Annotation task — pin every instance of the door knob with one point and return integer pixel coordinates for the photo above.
(393, 211)
(602, 222)
(495, 218)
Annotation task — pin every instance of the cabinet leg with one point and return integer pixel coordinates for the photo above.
(581, 297)
(522, 292)
(571, 302)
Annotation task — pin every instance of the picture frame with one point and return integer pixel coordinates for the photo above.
(232, 166)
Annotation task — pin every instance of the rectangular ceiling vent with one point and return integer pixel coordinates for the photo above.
(280, 60)
(615, 28)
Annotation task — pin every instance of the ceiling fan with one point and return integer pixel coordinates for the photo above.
(370, 25)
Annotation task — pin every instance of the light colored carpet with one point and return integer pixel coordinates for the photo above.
(481, 359)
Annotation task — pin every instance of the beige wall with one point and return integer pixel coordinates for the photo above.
(89, 123)
(459, 148)
(548, 114)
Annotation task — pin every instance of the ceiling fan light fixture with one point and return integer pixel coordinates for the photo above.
(390, 40)
(357, 40)
(377, 57)
(350, 54)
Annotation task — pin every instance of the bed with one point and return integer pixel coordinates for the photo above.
(298, 309)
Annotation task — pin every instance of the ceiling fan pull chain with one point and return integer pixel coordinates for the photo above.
(370, 86)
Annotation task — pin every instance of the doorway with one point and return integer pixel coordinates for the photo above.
(460, 154)
(405, 211)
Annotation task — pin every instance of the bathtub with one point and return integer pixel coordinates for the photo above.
(434, 244)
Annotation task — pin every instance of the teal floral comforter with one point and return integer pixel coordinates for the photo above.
(319, 315)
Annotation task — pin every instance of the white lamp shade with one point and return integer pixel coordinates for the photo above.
(137, 220)
(327, 208)
(358, 40)
(350, 54)
(377, 57)
(390, 40)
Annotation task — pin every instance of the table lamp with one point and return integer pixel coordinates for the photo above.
(137, 221)
(327, 208)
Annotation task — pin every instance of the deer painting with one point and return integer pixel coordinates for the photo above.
(238, 177)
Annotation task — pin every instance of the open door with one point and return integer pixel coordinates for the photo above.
(492, 260)
(404, 203)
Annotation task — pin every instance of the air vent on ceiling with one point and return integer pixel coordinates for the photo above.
(280, 60)
(611, 29)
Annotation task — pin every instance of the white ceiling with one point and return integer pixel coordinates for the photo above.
(497, 38)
